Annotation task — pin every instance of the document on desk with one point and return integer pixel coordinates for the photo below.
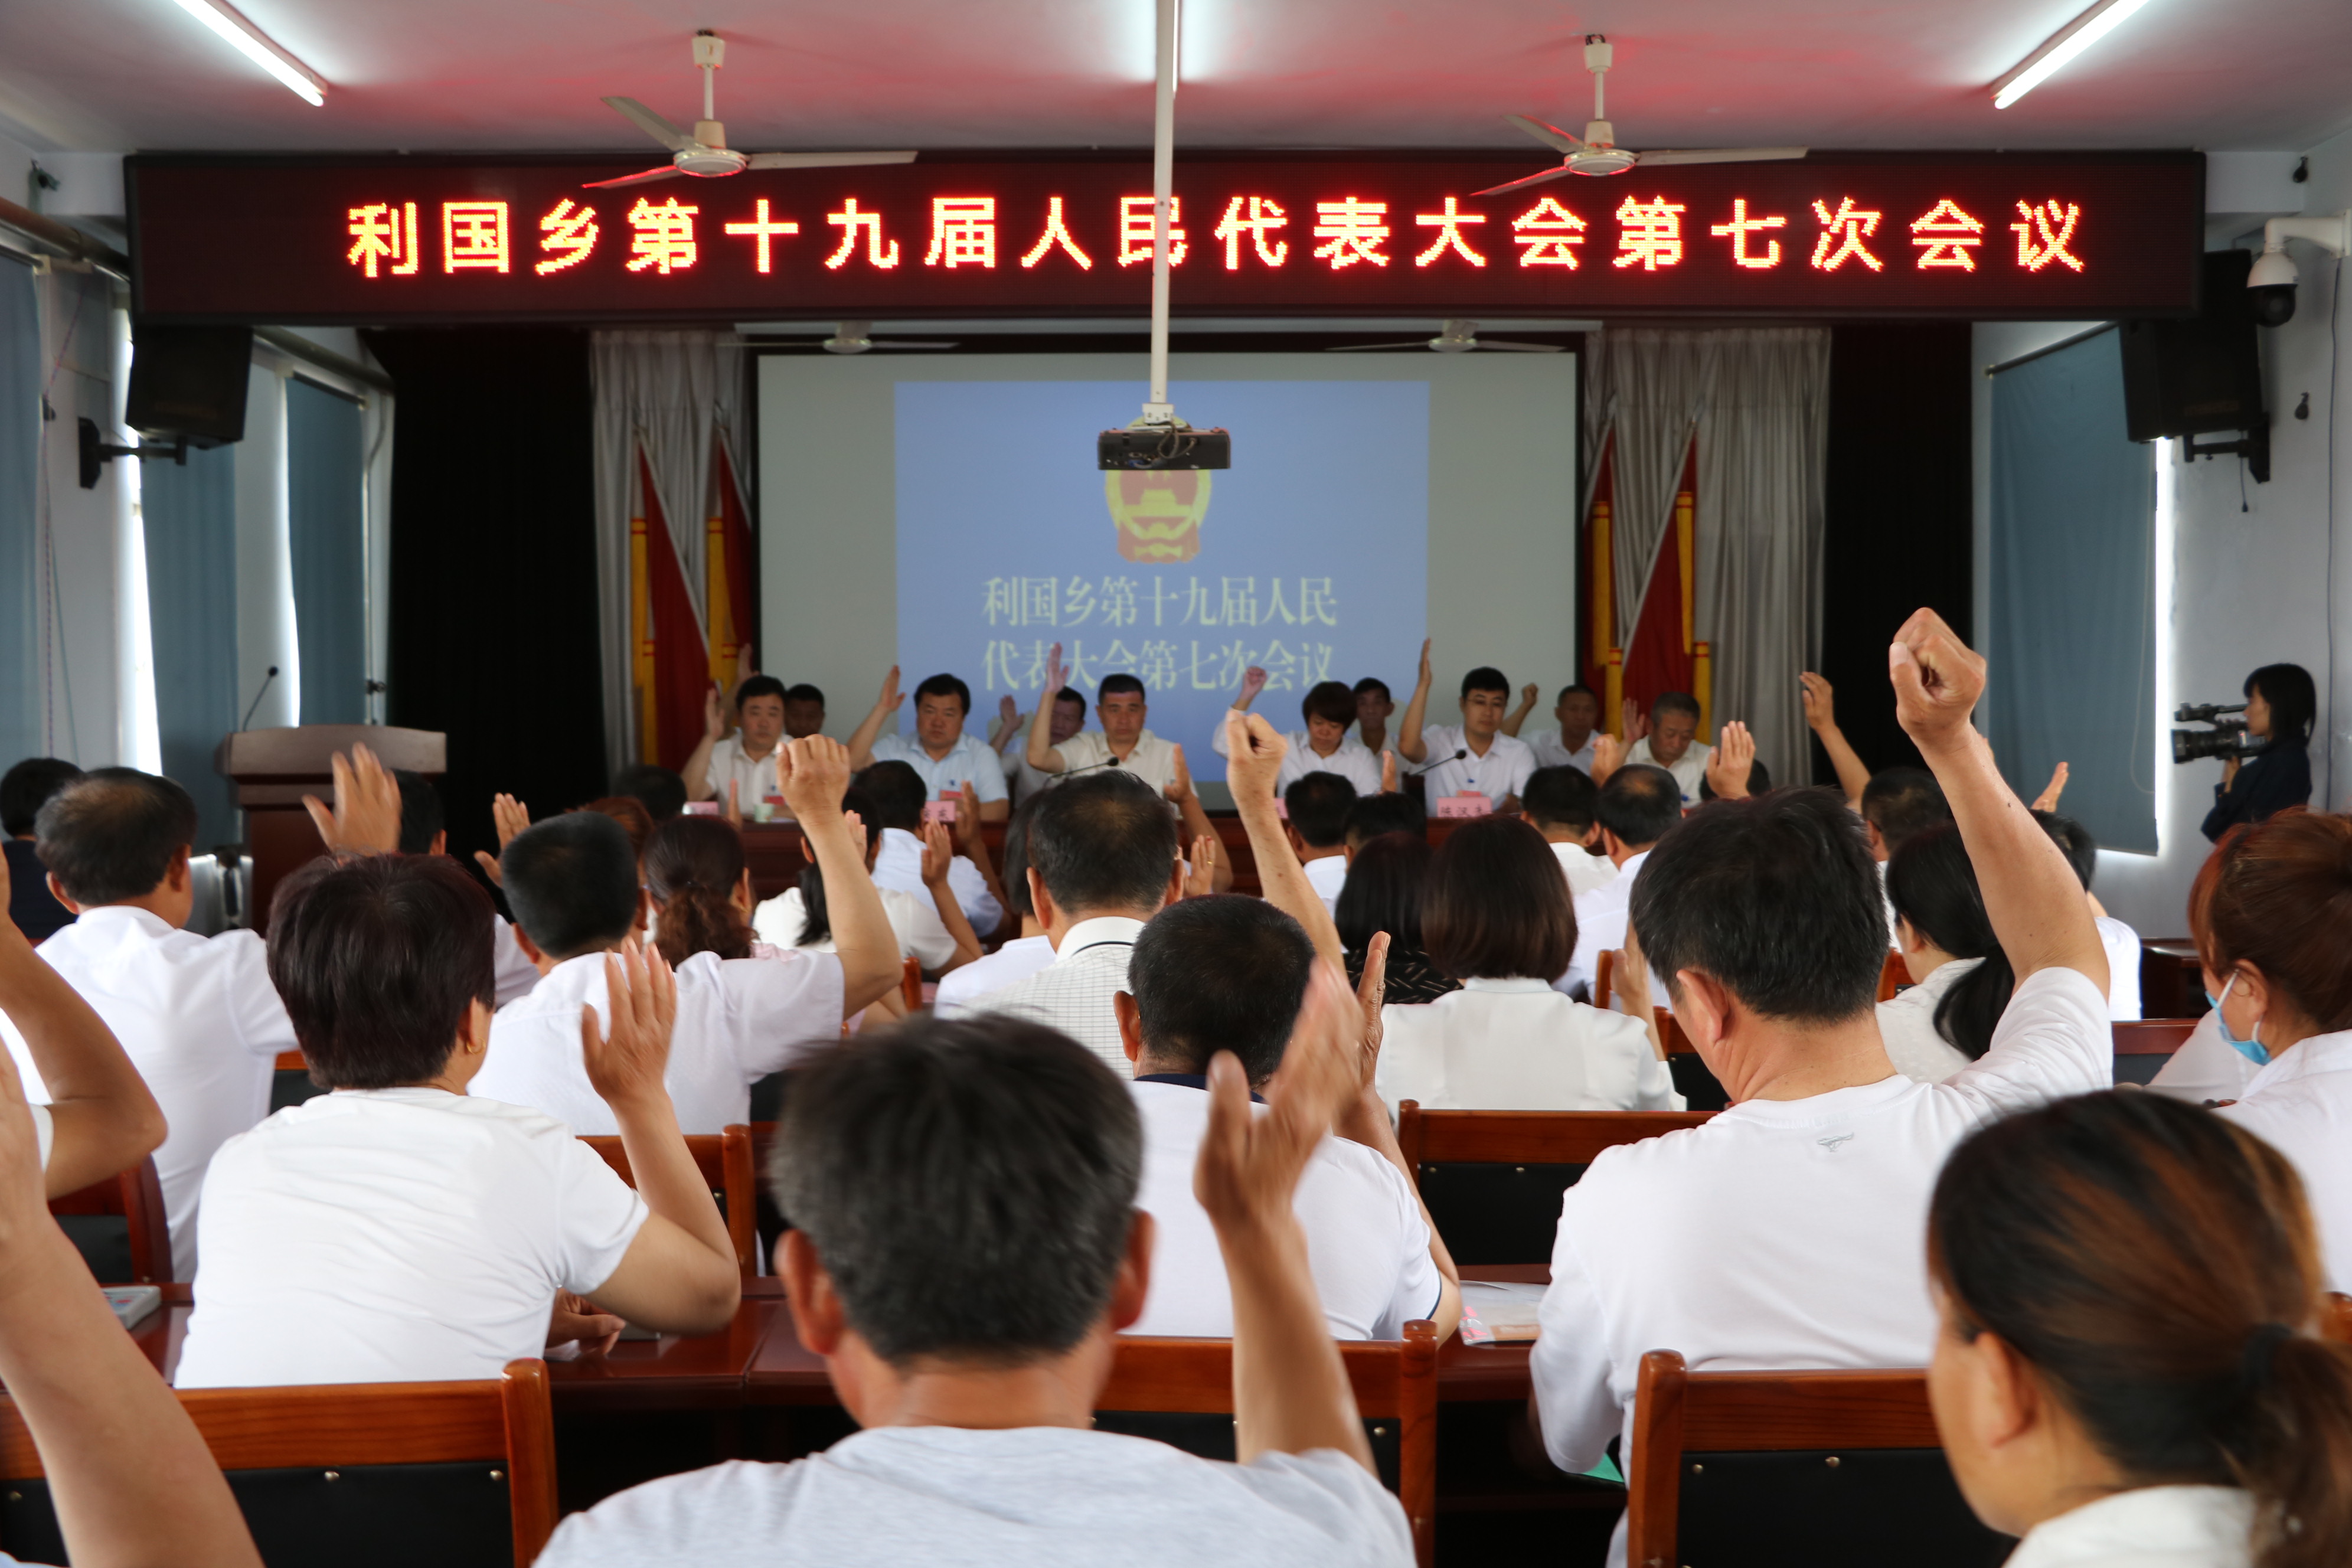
(1499, 1312)
(133, 1304)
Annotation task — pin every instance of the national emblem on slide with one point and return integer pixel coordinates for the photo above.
(1158, 514)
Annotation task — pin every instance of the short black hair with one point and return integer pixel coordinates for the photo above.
(1373, 683)
(27, 787)
(1103, 841)
(1220, 973)
(1391, 811)
(421, 815)
(968, 1184)
(760, 686)
(1118, 686)
(1318, 803)
(1680, 702)
(1072, 694)
(1497, 906)
(572, 882)
(1900, 802)
(1570, 690)
(1640, 804)
(2082, 850)
(944, 686)
(1016, 858)
(802, 691)
(661, 792)
(1386, 882)
(1759, 779)
(112, 834)
(1777, 898)
(898, 795)
(377, 958)
(2294, 701)
(1329, 701)
(1486, 678)
(1560, 796)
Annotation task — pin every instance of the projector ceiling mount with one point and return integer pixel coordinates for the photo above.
(1453, 337)
(704, 154)
(1596, 153)
(857, 338)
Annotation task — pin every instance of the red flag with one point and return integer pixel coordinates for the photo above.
(1659, 658)
(728, 577)
(673, 660)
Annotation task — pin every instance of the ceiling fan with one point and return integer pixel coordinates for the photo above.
(1452, 338)
(855, 338)
(1597, 153)
(706, 154)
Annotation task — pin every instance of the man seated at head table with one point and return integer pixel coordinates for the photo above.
(1373, 706)
(1577, 713)
(1473, 757)
(966, 1248)
(1785, 1231)
(1123, 743)
(1066, 715)
(23, 792)
(940, 752)
(1323, 747)
(745, 759)
(1667, 737)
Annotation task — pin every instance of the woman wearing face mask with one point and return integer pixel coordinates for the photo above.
(2281, 704)
(2210, 1068)
(2125, 1374)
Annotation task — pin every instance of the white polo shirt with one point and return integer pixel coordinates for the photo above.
(969, 761)
(2301, 1104)
(922, 935)
(1602, 916)
(1689, 771)
(1518, 1045)
(1016, 960)
(1367, 1243)
(396, 1235)
(1551, 752)
(1583, 869)
(753, 777)
(512, 971)
(1153, 759)
(2122, 944)
(1501, 772)
(898, 863)
(739, 1019)
(1326, 874)
(1782, 1232)
(1073, 993)
(1350, 761)
(198, 1017)
(1906, 1025)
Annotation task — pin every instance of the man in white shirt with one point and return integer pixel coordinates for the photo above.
(895, 790)
(1668, 739)
(967, 1300)
(1123, 743)
(746, 758)
(941, 752)
(1066, 716)
(1103, 859)
(196, 1015)
(1373, 706)
(424, 831)
(1569, 744)
(1559, 801)
(1637, 807)
(572, 881)
(1472, 758)
(1785, 1232)
(1323, 746)
(1019, 959)
(1315, 807)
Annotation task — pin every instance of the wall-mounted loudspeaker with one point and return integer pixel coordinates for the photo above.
(190, 380)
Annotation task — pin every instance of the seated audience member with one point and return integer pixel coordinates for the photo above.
(197, 1016)
(744, 759)
(1558, 803)
(1472, 758)
(402, 1228)
(1497, 918)
(2280, 923)
(1102, 860)
(27, 787)
(1569, 745)
(1897, 803)
(2281, 704)
(1373, 706)
(1370, 816)
(1323, 747)
(661, 792)
(422, 831)
(895, 792)
(916, 1169)
(1122, 743)
(700, 890)
(803, 712)
(573, 884)
(1668, 739)
(941, 754)
(1018, 959)
(1388, 876)
(2212, 1066)
(1066, 715)
(1227, 973)
(1317, 805)
(1960, 979)
(631, 813)
(930, 930)
(2121, 942)
(1784, 1233)
(2126, 1372)
(1638, 807)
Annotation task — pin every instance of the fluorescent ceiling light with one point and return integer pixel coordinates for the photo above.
(2044, 62)
(260, 47)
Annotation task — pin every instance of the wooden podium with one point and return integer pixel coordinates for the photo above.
(274, 769)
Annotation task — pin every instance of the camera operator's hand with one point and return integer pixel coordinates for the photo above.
(2230, 771)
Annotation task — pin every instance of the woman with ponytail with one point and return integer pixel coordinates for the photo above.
(701, 890)
(1960, 979)
(2126, 1373)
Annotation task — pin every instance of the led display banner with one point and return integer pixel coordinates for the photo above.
(439, 239)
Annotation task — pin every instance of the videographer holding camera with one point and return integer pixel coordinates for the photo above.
(2267, 763)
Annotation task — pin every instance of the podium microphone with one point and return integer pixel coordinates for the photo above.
(259, 695)
(1436, 763)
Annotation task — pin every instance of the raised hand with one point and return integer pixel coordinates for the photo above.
(1249, 1165)
(1372, 991)
(1200, 880)
(366, 814)
(1252, 682)
(510, 816)
(939, 853)
(1937, 682)
(1254, 756)
(1735, 754)
(625, 1063)
(1636, 723)
(967, 819)
(1057, 674)
(813, 775)
(1424, 677)
(1388, 772)
(2048, 799)
(1608, 756)
(714, 714)
(1177, 788)
(1821, 701)
(1528, 693)
(1008, 710)
(891, 697)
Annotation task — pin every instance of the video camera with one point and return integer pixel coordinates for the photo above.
(2227, 737)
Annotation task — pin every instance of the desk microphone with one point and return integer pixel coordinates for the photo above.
(259, 695)
(1437, 762)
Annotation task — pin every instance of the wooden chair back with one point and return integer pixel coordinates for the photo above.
(1604, 975)
(137, 1197)
(1893, 977)
(1854, 1457)
(2336, 1318)
(2144, 1046)
(725, 1164)
(910, 983)
(503, 1424)
(1395, 1383)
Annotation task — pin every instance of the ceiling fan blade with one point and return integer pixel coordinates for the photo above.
(1544, 178)
(652, 124)
(1550, 135)
(1519, 348)
(646, 176)
(824, 160)
(1724, 156)
(908, 344)
(1366, 348)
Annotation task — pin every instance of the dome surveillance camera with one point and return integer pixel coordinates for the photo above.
(2270, 283)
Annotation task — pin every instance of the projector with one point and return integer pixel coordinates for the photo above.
(1164, 446)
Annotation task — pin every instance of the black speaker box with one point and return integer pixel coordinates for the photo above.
(189, 380)
(2203, 374)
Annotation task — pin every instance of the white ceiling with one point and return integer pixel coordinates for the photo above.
(525, 75)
